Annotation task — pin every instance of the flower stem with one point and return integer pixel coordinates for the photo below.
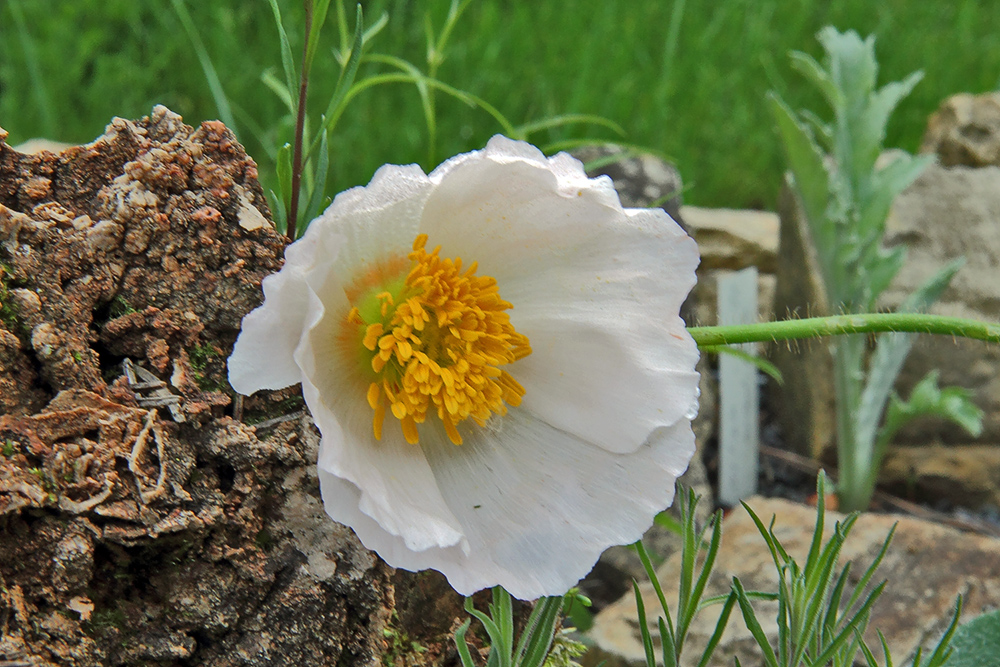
(838, 325)
(300, 122)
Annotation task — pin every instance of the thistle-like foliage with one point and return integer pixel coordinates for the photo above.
(821, 616)
(697, 560)
(846, 198)
(536, 643)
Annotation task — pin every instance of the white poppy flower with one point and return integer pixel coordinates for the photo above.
(494, 358)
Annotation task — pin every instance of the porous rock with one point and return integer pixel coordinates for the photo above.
(913, 610)
(139, 522)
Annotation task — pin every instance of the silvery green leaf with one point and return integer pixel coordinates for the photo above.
(869, 132)
(927, 399)
(812, 70)
(885, 185)
(851, 62)
(822, 131)
(882, 270)
(811, 178)
(890, 353)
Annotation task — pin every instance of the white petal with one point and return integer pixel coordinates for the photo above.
(379, 220)
(611, 359)
(596, 289)
(537, 506)
(340, 240)
(262, 357)
(396, 486)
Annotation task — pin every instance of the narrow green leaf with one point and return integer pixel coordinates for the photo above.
(761, 363)
(536, 641)
(503, 615)
(277, 212)
(886, 652)
(887, 360)
(816, 544)
(647, 640)
(667, 646)
(319, 10)
(833, 606)
(463, 648)
(426, 97)
(686, 616)
(867, 652)
(283, 168)
(526, 130)
(862, 584)
(971, 642)
(278, 87)
(856, 621)
(211, 76)
(375, 28)
(720, 627)
(492, 629)
(689, 553)
(287, 62)
(318, 199)
(345, 82)
(666, 520)
(766, 534)
(753, 625)
(647, 565)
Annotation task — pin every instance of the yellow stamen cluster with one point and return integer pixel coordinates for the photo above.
(436, 346)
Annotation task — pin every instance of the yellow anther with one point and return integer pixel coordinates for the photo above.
(436, 335)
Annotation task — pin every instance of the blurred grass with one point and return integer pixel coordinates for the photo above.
(687, 79)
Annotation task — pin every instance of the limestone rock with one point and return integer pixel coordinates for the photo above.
(731, 240)
(960, 475)
(949, 213)
(806, 399)
(641, 179)
(965, 130)
(913, 611)
(734, 239)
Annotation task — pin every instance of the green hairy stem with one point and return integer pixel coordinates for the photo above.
(839, 325)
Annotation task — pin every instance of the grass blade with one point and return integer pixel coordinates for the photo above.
(214, 84)
(287, 61)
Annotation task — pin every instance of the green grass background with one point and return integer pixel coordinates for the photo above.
(685, 79)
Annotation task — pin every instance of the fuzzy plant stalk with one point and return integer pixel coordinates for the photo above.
(846, 198)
